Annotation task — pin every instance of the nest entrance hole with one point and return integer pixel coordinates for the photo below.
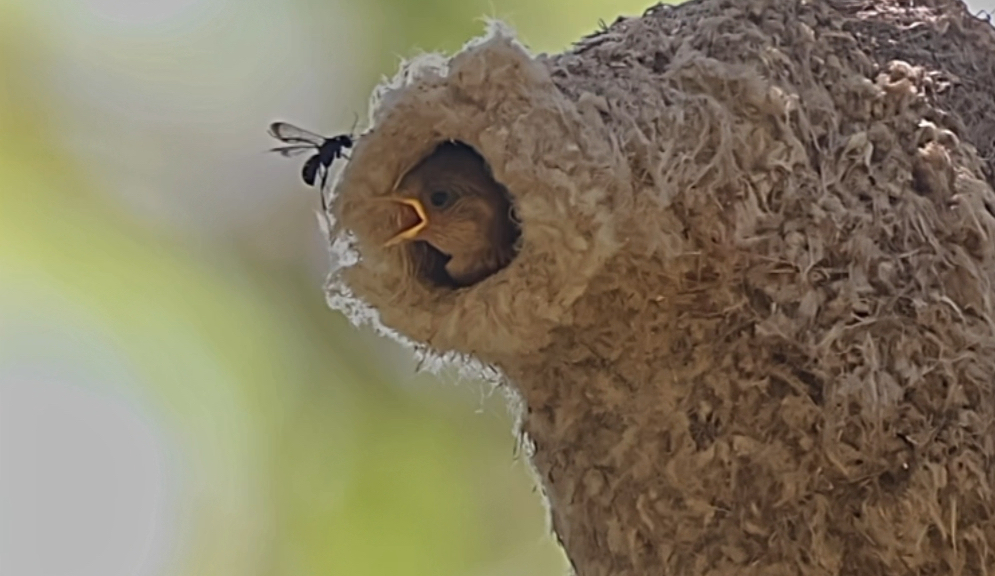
(430, 263)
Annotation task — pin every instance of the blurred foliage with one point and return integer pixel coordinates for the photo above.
(403, 28)
(298, 444)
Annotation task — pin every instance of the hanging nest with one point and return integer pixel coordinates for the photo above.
(750, 313)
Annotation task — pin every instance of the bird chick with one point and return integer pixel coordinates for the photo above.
(460, 211)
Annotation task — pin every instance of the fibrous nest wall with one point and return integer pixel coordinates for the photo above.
(751, 313)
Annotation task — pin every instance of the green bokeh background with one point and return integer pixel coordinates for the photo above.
(155, 260)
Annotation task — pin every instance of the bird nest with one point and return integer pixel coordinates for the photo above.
(562, 169)
(750, 311)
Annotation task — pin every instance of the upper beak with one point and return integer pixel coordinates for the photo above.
(413, 230)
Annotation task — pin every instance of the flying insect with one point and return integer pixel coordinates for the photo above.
(299, 141)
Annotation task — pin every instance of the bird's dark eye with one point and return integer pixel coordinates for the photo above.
(440, 199)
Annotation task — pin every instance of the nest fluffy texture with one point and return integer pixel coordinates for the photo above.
(751, 318)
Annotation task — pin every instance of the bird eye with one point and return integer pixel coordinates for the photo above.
(440, 199)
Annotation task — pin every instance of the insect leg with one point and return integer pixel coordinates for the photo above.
(324, 182)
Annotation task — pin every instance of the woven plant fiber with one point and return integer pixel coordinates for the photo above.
(750, 321)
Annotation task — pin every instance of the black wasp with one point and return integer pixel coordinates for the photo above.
(299, 141)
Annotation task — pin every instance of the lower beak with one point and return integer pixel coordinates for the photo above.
(412, 230)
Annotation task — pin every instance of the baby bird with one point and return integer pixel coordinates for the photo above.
(459, 210)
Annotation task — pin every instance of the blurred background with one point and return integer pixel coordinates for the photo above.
(175, 396)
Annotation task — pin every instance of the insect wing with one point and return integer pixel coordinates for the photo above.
(293, 135)
(293, 149)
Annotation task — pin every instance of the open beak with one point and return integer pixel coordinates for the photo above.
(412, 230)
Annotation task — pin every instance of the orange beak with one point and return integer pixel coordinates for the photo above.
(413, 230)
